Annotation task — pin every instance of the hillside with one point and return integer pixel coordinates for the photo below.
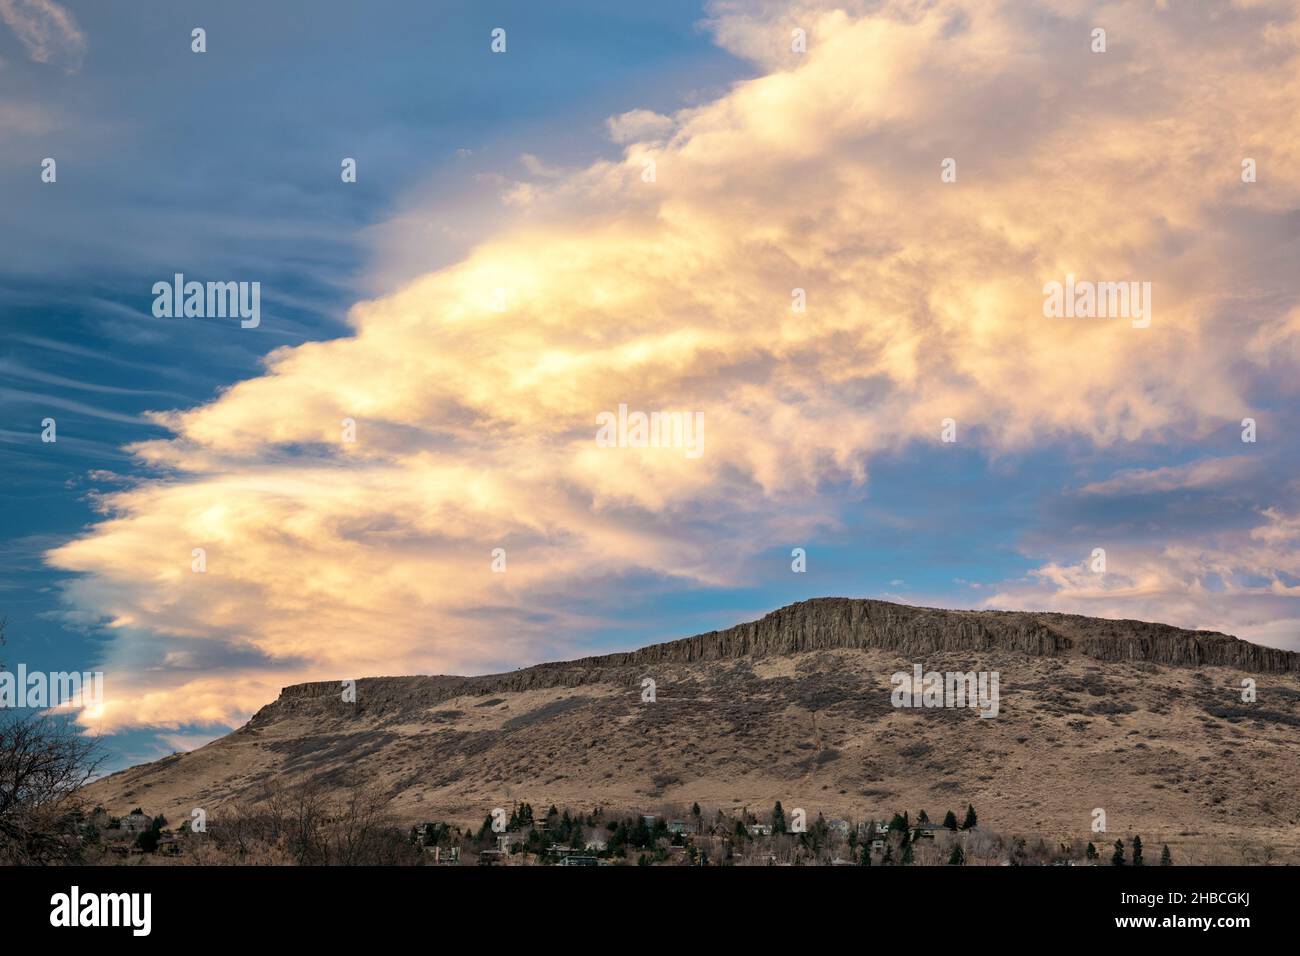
(1143, 720)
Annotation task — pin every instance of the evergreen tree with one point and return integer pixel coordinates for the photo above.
(950, 821)
(1165, 858)
(1137, 851)
(778, 819)
(958, 858)
(866, 854)
(906, 858)
(1118, 858)
(969, 822)
(1092, 852)
(922, 818)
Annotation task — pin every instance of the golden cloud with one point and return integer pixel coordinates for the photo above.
(665, 279)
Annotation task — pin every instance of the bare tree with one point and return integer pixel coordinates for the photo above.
(43, 763)
(311, 824)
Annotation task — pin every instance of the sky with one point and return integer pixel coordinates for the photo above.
(825, 230)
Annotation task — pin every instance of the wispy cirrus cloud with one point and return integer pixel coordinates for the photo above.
(47, 30)
(664, 278)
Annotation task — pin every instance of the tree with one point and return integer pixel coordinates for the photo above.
(922, 817)
(1091, 852)
(778, 819)
(866, 854)
(906, 858)
(43, 763)
(1137, 851)
(958, 858)
(1165, 858)
(1118, 858)
(969, 822)
(147, 841)
(950, 821)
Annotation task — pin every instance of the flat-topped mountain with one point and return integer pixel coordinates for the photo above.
(1147, 721)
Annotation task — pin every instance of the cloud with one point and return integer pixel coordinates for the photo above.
(1208, 473)
(666, 279)
(635, 125)
(47, 30)
(1244, 582)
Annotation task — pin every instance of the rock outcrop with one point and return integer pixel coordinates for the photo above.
(847, 623)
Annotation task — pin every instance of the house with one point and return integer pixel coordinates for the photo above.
(596, 846)
(556, 849)
(681, 826)
(137, 822)
(444, 854)
(491, 858)
(839, 826)
(759, 829)
(649, 820)
(579, 861)
(927, 830)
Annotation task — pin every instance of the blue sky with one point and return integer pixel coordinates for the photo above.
(226, 165)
